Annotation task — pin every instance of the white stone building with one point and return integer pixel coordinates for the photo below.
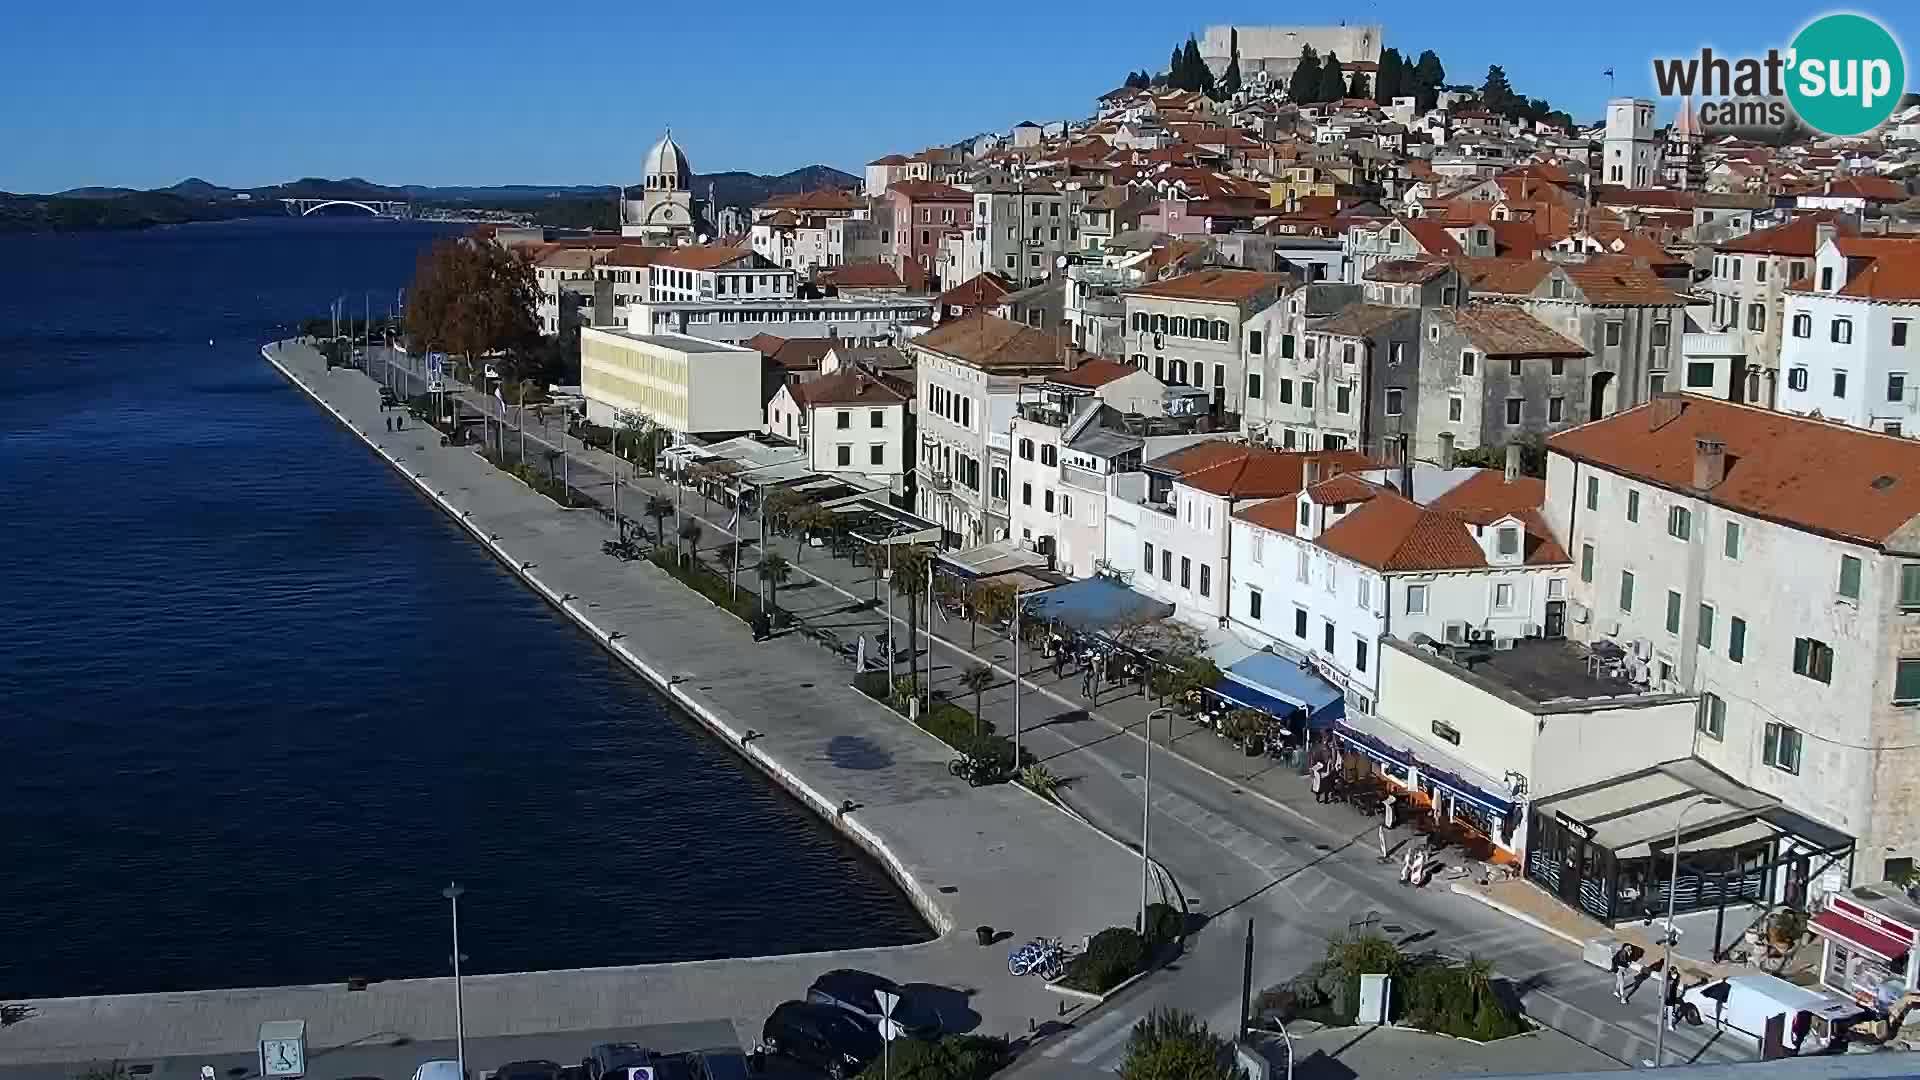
(687, 385)
(1630, 155)
(849, 423)
(1187, 331)
(1849, 353)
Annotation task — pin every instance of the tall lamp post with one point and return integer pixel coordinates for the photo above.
(1146, 810)
(1666, 937)
(452, 893)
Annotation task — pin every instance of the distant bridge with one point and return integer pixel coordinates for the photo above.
(376, 207)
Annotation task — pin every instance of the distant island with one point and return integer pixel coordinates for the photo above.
(194, 199)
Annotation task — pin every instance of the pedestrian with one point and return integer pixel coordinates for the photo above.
(1383, 843)
(1317, 780)
(1387, 807)
(1418, 877)
(1086, 680)
(1059, 660)
(1406, 866)
(1622, 957)
(1802, 1027)
(1671, 990)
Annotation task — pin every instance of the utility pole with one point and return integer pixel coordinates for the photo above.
(452, 893)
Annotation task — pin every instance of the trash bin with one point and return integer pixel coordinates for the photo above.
(984, 934)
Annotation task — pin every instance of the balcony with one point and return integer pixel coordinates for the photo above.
(1705, 345)
(935, 480)
(1043, 412)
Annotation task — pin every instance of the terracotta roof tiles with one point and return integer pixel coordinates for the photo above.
(1506, 330)
(1229, 285)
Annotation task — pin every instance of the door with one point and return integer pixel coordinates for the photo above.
(1572, 847)
(1556, 618)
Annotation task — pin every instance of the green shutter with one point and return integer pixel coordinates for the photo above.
(1626, 590)
(1906, 681)
(1849, 577)
(1673, 612)
(1586, 563)
(1736, 639)
(1801, 648)
(1770, 746)
(1706, 626)
(1733, 539)
(1910, 585)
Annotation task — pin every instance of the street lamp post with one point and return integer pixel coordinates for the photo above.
(1666, 937)
(1146, 809)
(452, 893)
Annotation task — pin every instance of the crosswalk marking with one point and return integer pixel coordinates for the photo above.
(1080, 1035)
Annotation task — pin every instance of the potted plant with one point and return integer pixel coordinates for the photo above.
(1246, 729)
(1786, 927)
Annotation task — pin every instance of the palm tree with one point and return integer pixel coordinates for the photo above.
(774, 570)
(992, 602)
(911, 565)
(805, 519)
(977, 679)
(659, 508)
(691, 533)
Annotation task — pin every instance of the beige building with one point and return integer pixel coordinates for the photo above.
(688, 385)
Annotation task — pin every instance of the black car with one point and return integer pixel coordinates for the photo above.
(528, 1070)
(858, 993)
(617, 1061)
(823, 1037)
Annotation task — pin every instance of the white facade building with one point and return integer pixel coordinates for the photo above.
(685, 384)
(1630, 155)
(849, 423)
(1849, 353)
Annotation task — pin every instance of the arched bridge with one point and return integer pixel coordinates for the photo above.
(376, 207)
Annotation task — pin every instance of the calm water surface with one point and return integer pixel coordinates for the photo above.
(259, 702)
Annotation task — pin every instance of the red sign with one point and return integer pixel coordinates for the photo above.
(1861, 913)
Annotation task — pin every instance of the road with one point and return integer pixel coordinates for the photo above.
(1242, 837)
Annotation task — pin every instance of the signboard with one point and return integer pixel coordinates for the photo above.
(283, 1048)
(436, 371)
(1584, 830)
(1861, 913)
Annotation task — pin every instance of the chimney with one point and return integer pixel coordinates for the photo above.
(1709, 463)
(1446, 449)
(1513, 462)
(1310, 472)
(1664, 409)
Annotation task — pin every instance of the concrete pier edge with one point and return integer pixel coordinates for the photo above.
(937, 916)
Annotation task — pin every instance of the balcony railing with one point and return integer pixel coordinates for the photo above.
(1040, 412)
(1727, 344)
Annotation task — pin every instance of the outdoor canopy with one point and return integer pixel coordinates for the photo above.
(1094, 604)
(1278, 679)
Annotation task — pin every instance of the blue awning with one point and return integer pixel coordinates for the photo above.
(1380, 740)
(1278, 677)
(1094, 604)
(1238, 693)
(1372, 747)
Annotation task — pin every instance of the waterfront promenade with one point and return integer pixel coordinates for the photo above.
(965, 856)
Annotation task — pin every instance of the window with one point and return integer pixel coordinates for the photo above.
(1509, 541)
(1286, 346)
(1626, 591)
(1513, 410)
(1253, 386)
(1736, 260)
(1586, 563)
(1781, 748)
(1850, 577)
(846, 455)
(1455, 406)
(877, 454)
(1813, 658)
(1166, 565)
(843, 420)
(1593, 493)
(1700, 375)
(1897, 386)
(1899, 334)
(1050, 455)
(1756, 317)
(1186, 572)
(1046, 500)
(1300, 623)
(1673, 612)
(1513, 366)
(1706, 626)
(1633, 505)
(1732, 546)
(1826, 279)
(1066, 506)
(1839, 384)
(1147, 561)
(876, 418)
(1557, 366)
(1300, 570)
(1286, 391)
(1306, 394)
(1362, 591)
(1026, 449)
(1659, 336)
(1466, 363)
(1255, 342)
(1416, 599)
(1395, 398)
(1679, 522)
(1326, 635)
(1556, 409)
(1503, 597)
(1906, 682)
(1613, 334)
(1342, 399)
(1712, 718)
(1359, 654)
(1802, 325)
(1737, 639)
(1797, 378)
(1910, 587)
(1206, 579)
(1841, 331)
(998, 481)
(1026, 494)
(1310, 347)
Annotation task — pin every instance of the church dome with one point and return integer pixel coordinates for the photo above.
(667, 166)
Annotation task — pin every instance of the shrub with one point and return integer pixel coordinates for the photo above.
(1114, 955)
(953, 1057)
(1174, 1045)
(1165, 923)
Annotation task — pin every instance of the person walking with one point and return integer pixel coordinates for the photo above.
(1388, 806)
(1670, 981)
(1384, 857)
(1317, 780)
(1622, 957)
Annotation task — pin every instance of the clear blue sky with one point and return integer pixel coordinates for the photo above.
(129, 92)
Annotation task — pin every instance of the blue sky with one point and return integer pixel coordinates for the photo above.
(129, 92)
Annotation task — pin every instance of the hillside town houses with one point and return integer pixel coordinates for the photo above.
(1538, 465)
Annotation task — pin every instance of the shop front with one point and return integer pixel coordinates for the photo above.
(1457, 800)
(1868, 937)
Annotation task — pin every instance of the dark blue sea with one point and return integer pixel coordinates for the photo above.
(259, 702)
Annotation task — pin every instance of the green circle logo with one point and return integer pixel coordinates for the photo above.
(1846, 75)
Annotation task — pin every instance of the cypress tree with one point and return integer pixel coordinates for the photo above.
(1303, 87)
(1230, 80)
(1333, 80)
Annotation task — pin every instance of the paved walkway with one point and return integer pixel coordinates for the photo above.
(1242, 835)
(995, 856)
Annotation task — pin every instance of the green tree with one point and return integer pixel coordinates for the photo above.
(1496, 92)
(976, 680)
(475, 299)
(952, 1057)
(691, 533)
(1174, 1045)
(659, 508)
(1303, 87)
(1198, 76)
(1230, 79)
(1357, 86)
(1428, 77)
(807, 519)
(775, 571)
(910, 566)
(1387, 84)
(1176, 70)
(1333, 79)
(1138, 80)
(992, 601)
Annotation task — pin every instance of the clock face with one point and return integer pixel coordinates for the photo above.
(283, 1057)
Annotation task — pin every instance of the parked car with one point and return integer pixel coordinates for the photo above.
(441, 1069)
(619, 1061)
(858, 993)
(1744, 1003)
(387, 396)
(528, 1070)
(823, 1037)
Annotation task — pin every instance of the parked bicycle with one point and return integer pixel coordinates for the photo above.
(977, 770)
(1043, 956)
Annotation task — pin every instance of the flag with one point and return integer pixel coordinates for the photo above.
(1608, 73)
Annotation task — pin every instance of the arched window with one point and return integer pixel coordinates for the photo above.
(1179, 326)
(1842, 332)
(1220, 332)
(1803, 325)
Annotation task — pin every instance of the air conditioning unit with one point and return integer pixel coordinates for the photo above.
(1534, 629)
(1456, 632)
(1477, 634)
(1643, 649)
(1578, 613)
(1612, 629)
(1502, 644)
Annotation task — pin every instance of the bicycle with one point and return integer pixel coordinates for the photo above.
(1043, 956)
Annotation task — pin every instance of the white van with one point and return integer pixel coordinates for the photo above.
(1744, 1004)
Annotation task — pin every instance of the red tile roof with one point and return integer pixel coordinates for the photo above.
(1229, 285)
(977, 291)
(1238, 471)
(992, 343)
(1490, 491)
(1506, 330)
(1891, 270)
(860, 275)
(1503, 277)
(851, 388)
(701, 258)
(824, 199)
(1796, 237)
(890, 159)
(1619, 283)
(1094, 373)
(1844, 482)
(1433, 236)
(930, 191)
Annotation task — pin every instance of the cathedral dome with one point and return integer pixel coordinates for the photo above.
(667, 166)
